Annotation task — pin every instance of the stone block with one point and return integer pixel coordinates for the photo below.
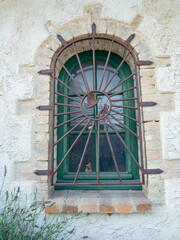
(148, 90)
(147, 72)
(42, 128)
(151, 126)
(106, 203)
(88, 203)
(147, 81)
(41, 156)
(52, 209)
(151, 136)
(142, 204)
(154, 155)
(42, 146)
(39, 137)
(151, 116)
(123, 203)
(153, 145)
(72, 202)
(42, 120)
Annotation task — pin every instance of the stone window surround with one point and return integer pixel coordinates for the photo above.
(151, 119)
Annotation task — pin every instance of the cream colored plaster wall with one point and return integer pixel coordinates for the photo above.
(28, 41)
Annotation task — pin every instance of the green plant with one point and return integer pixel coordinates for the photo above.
(20, 221)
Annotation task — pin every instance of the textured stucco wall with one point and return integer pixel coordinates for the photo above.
(25, 26)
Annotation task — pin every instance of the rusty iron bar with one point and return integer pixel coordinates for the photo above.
(100, 184)
(126, 90)
(65, 96)
(140, 121)
(66, 113)
(70, 131)
(52, 127)
(122, 114)
(142, 63)
(46, 72)
(75, 141)
(153, 171)
(70, 76)
(123, 99)
(84, 152)
(119, 106)
(44, 107)
(105, 67)
(98, 154)
(112, 151)
(121, 83)
(72, 119)
(94, 67)
(116, 71)
(80, 65)
(124, 144)
(147, 104)
(61, 39)
(124, 125)
(130, 38)
(59, 80)
(67, 105)
(96, 37)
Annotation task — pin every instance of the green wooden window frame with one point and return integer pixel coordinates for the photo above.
(132, 172)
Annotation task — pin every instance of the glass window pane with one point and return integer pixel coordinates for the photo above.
(77, 75)
(106, 160)
(107, 77)
(88, 164)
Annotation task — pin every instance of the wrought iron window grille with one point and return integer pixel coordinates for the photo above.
(87, 98)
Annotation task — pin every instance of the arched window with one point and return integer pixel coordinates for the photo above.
(101, 129)
(96, 121)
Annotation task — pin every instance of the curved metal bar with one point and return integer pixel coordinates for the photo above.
(101, 184)
(68, 121)
(126, 90)
(98, 155)
(71, 76)
(105, 37)
(112, 152)
(116, 71)
(66, 113)
(123, 99)
(121, 82)
(135, 120)
(107, 60)
(67, 105)
(70, 131)
(80, 65)
(84, 152)
(124, 144)
(94, 68)
(59, 80)
(124, 126)
(71, 147)
(62, 95)
(119, 106)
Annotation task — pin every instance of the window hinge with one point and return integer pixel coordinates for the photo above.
(93, 29)
(42, 172)
(44, 107)
(141, 63)
(130, 38)
(152, 171)
(46, 72)
(61, 39)
(147, 104)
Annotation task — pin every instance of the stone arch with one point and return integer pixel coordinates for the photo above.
(74, 29)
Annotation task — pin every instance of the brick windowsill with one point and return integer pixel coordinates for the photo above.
(109, 202)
